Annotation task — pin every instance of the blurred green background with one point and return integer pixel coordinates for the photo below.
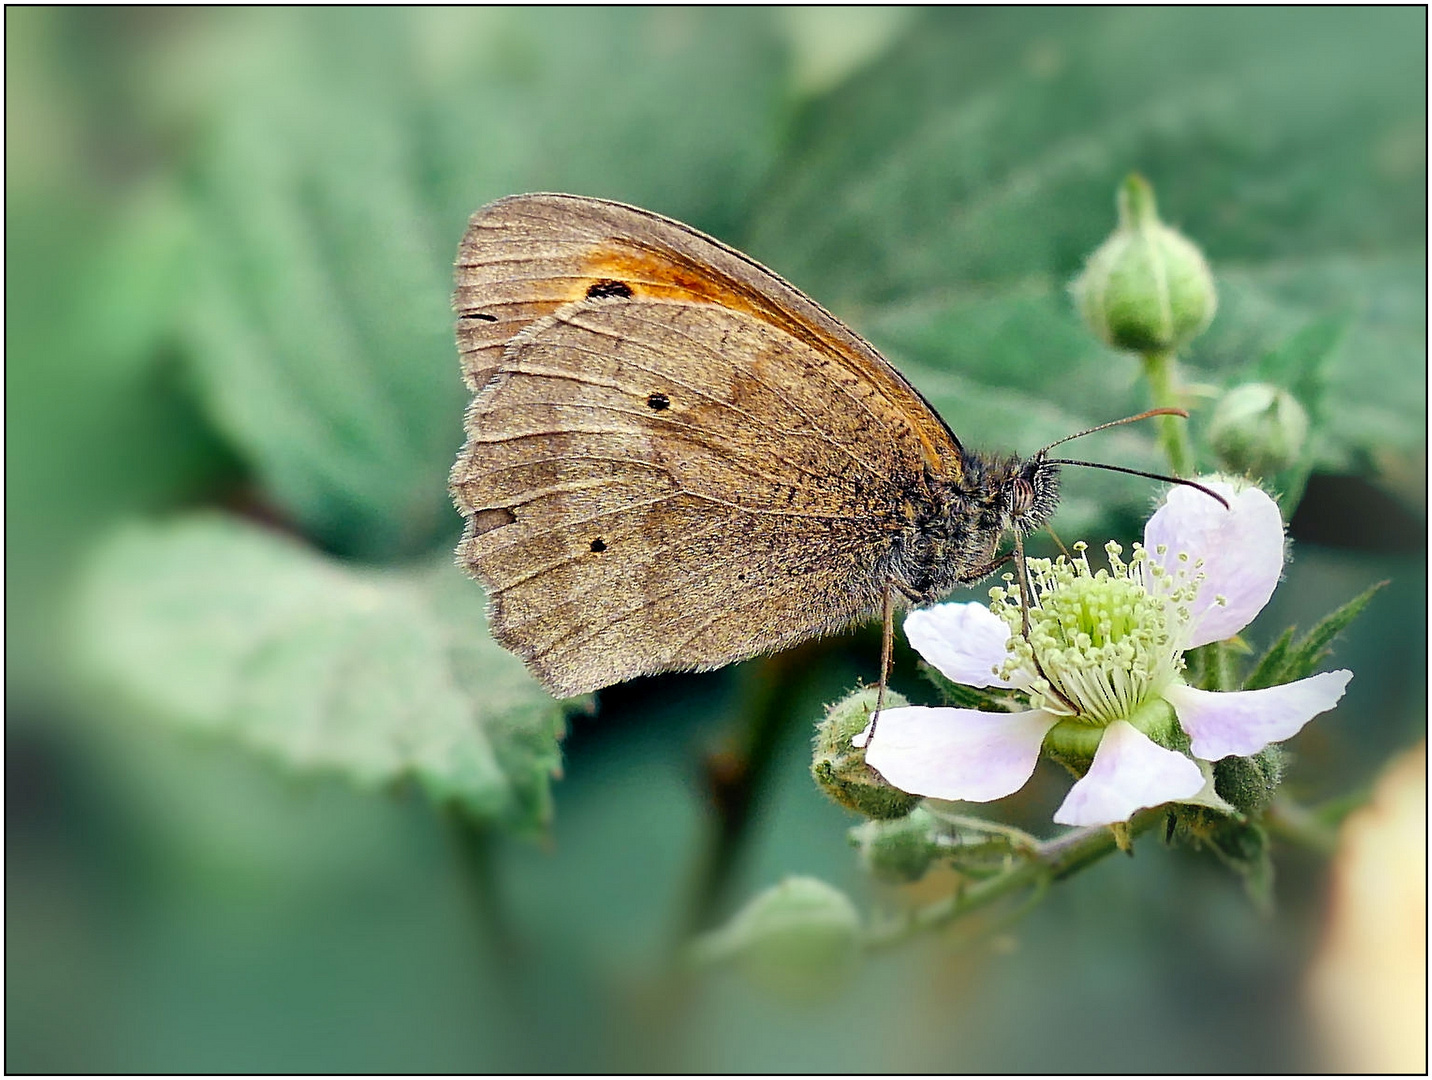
(251, 708)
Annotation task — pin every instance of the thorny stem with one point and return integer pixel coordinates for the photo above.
(1050, 861)
(1173, 432)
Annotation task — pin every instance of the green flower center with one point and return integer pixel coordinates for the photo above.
(1099, 643)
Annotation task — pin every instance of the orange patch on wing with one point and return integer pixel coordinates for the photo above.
(664, 275)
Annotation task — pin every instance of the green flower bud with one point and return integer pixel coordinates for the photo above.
(898, 851)
(799, 936)
(1258, 429)
(1147, 288)
(839, 768)
(1249, 782)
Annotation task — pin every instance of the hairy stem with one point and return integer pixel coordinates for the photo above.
(1159, 369)
(1294, 823)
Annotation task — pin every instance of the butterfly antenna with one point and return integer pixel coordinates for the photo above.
(1147, 475)
(1114, 423)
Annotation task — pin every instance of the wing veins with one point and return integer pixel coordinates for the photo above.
(744, 371)
(812, 430)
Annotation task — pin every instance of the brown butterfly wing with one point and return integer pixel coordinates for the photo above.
(525, 256)
(694, 465)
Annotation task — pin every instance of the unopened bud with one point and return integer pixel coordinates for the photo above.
(1258, 429)
(1147, 288)
(800, 935)
(839, 767)
(1248, 783)
(898, 851)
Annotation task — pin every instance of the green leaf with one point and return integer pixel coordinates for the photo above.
(1367, 310)
(1285, 663)
(349, 149)
(1301, 365)
(216, 625)
(943, 199)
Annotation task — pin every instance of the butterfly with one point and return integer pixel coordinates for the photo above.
(675, 460)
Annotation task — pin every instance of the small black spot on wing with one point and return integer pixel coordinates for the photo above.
(480, 316)
(659, 402)
(608, 287)
(599, 544)
(484, 521)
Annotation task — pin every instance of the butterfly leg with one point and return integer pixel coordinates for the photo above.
(981, 572)
(887, 649)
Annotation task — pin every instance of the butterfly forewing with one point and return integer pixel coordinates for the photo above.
(668, 468)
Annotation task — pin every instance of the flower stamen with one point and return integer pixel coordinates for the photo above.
(1099, 640)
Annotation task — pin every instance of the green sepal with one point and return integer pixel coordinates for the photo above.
(1214, 666)
(1285, 663)
(1242, 846)
(956, 695)
(1250, 782)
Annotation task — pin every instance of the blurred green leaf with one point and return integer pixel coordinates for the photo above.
(1298, 364)
(943, 200)
(347, 154)
(1301, 365)
(219, 626)
(1372, 308)
(100, 420)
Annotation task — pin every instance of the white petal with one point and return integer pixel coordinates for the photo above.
(1244, 721)
(957, 753)
(1241, 549)
(964, 642)
(1130, 772)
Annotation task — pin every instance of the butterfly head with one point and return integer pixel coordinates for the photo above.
(1003, 495)
(1028, 494)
